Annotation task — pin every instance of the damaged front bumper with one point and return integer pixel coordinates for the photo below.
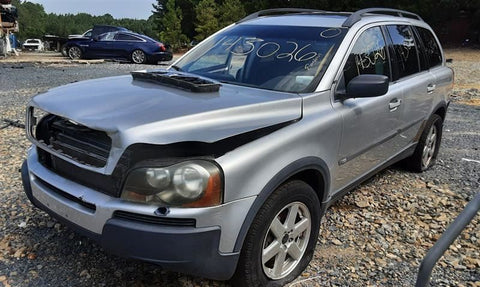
(183, 247)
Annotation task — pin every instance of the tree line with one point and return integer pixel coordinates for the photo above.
(178, 22)
(34, 22)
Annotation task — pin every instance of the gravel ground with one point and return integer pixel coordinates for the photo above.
(375, 236)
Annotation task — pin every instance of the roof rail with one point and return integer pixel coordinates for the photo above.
(279, 11)
(357, 16)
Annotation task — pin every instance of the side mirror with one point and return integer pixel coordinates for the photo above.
(366, 86)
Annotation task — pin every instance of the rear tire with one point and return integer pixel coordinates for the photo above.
(282, 238)
(428, 146)
(75, 53)
(138, 57)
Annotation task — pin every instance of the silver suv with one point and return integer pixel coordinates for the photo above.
(223, 165)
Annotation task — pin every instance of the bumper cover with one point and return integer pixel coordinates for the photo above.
(160, 56)
(183, 249)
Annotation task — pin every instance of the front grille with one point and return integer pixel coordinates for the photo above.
(185, 222)
(80, 143)
(107, 184)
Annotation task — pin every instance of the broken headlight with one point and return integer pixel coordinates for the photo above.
(196, 183)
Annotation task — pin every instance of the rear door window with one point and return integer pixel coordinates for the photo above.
(405, 58)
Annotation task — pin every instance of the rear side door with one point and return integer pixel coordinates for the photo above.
(442, 75)
(370, 125)
(410, 71)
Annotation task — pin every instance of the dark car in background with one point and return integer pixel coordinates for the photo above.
(118, 44)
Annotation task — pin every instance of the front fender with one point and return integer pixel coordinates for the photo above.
(307, 163)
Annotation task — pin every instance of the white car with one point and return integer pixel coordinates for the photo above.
(33, 44)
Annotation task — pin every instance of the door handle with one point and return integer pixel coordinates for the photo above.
(394, 104)
(431, 88)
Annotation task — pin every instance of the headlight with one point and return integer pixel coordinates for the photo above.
(196, 183)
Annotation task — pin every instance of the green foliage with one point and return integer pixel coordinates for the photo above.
(172, 27)
(158, 13)
(207, 19)
(35, 23)
(230, 12)
(32, 19)
(200, 18)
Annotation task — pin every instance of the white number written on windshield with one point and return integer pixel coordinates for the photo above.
(243, 46)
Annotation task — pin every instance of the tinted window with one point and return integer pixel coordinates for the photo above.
(422, 56)
(432, 49)
(282, 58)
(125, 37)
(406, 58)
(369, 56)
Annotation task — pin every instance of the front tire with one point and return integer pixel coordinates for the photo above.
(138, 57)
(75, 53)
(428, 146)
(281, 239)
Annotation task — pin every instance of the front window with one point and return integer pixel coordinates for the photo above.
(369, 56)
(281, 58)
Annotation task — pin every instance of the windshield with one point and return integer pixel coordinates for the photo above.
(281, 58)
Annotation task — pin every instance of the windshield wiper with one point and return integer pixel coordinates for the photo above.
(176, 68)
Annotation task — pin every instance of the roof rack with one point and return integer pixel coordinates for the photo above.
(357, 16)
(279, 11)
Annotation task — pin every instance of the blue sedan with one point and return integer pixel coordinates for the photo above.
(125, 45)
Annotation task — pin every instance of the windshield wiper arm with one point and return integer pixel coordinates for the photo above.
(176, 68)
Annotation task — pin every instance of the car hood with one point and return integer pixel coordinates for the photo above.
(132, 111)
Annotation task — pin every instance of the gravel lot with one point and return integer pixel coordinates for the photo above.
(375, 236)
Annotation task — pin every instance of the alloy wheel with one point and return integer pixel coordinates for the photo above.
(430, 146)
(138, 57)
(286, 240)
(74, 53)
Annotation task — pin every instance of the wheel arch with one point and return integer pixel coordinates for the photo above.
(311, 170)
(441, 110)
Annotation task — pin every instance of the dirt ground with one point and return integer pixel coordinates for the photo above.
(375, 236)
(49, 57)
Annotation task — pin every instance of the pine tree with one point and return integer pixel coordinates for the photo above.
(158, 13)
(207, 19)
(230, 12)
(172, 26)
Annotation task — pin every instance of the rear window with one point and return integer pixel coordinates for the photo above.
(432, 49)
(125, 37)
(281, 58)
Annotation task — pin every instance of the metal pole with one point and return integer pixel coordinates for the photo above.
(446, 240)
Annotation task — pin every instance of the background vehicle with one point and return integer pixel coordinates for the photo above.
(121, 44)
(33, 45)
(89, 34)
(224, 164)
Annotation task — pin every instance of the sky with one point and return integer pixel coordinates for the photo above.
(138, 9)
